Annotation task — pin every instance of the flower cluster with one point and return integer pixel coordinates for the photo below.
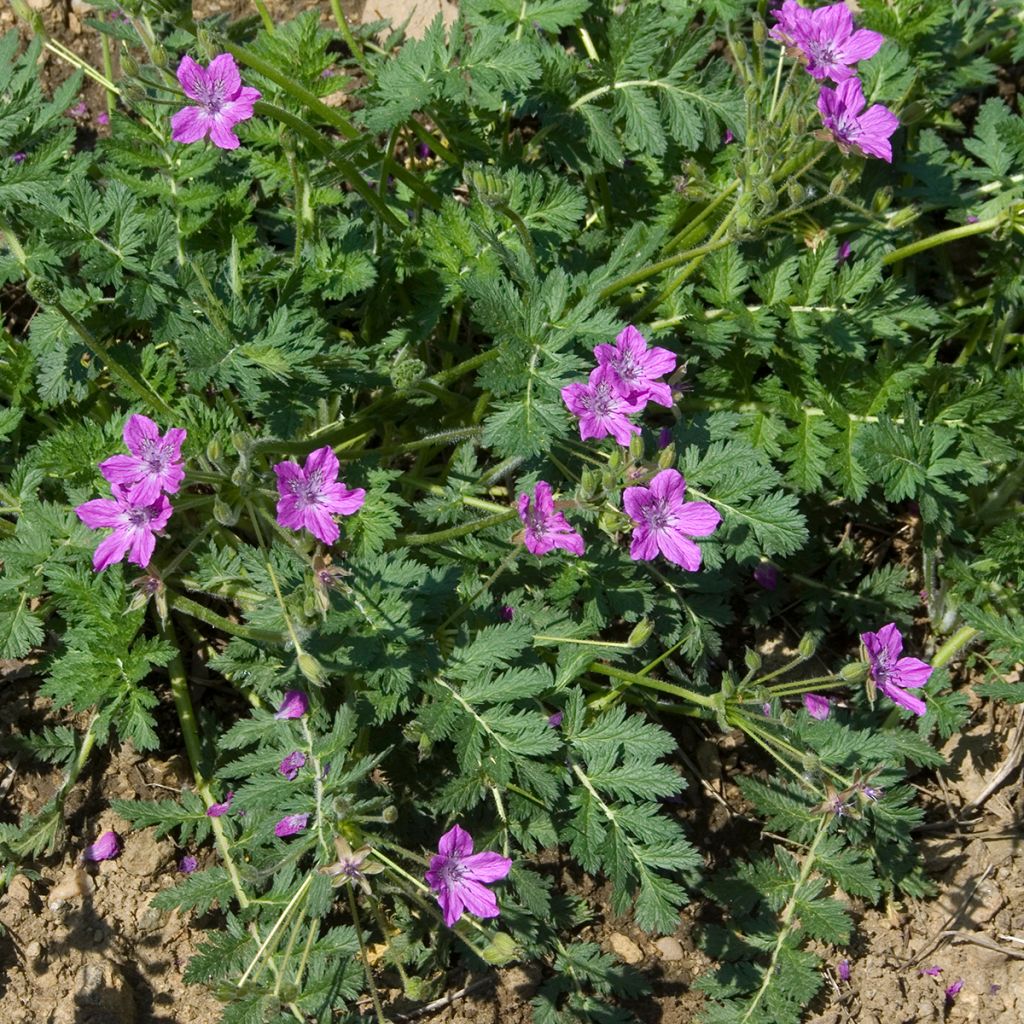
(826, 40)
(139, 483)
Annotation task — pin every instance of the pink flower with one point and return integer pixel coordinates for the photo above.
(817, 706)
(310, 496)
(843, 253)
(188, 864)
(934, 971)
(289, 766)
(294, 705)
(216, 810)
(546, 528)
(892, 674)
(133, 524)
(103, 118)
(767, 576)
(867, 132)
(290, 825)
(601, 407)
(635, 367)
(830, 44)
(154, 464)
(665, 522)
(844, 970)
(790, 23)
(506, 613)
(221, 102)
(555, 720)
(954, 990)
(456, 875)
(19, 158)
(106, 847)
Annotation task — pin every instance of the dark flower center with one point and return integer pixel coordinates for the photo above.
(308, 488)
(155, 455)
(602, 400)
(657, 514)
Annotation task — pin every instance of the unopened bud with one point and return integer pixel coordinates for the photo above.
(615, 459)
(882, 200)
(760, 31)
(641, 633)
(214, 450)
(739, 49)
(636, 447)
(312, 669)
(796, 192)
(854, 672)
(808, 645)
(224, 513)
(590, 480)
(752, 660)
(667, 457)
(502, 950)
(768, 196)
(129, 65)
(389, 814)
(158, 55)
(899, 218)
(837, 186)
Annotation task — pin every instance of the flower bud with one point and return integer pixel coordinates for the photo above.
(615, 459)
(854, 672)
(796, 192)
(214, 450)
(752, 659)
(882, 200)
(837, 186)
(739, 49)
(129, 65)
(502, 950)
(158, 55)
(808, 645)
(590, 480)
(766, 194)
(224, 513)
(667, 457)
(641, 633)
(312, 669)
(636, 447)
(760, 31)
(389, 815)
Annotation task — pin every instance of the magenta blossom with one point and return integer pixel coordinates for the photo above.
(133, 524)
(790, 23)
(954, 990)
(866, 132)
(310, 496)
(828, 41)
(221, 102)
(601, 407)
(456, 875)
(635, 367)
(767, 576)
(666, 523)
(294, 705)
(892, 674)
(290, 825)
(154, 464)
(289, 766)
(934, 971)
(546, 528)
(506, 613)
(19, 158)
(555, 720)
(106, 847)
(817, 706)
(843, 253)
(844, 970)
(216, 810)
(188, 864)
(103, 118)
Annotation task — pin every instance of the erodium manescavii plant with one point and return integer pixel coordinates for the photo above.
(497, 417)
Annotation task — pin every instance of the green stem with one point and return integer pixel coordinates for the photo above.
(646, 682)
(346, 33)
(639, 276)
(181, 603)
(982, 227)
(275, 931)
(378, 1009)
(416, 539)
(952, 647)
(268, 22)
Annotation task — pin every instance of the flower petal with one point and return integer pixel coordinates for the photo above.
(698, 518)
(477, 900)
(99, 513)
(221, 134)
(193, 79)
(679, 549)
(110, 550)
(190, 125)
(487, 866)
(139, 429)
(223, 71)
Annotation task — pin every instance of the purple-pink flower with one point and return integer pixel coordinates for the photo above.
(767, 576)
(844, 970)
(892, 674)
(290, 825)
(555, 720)
(221, 102)
(829, 42)
(546, 527)
(188, 864)
(216, 810)
(133, 524)
(790, 23)
(294, 705)
(289, 766)
(817, 706)
(954, 990)
(106, 847)
(934, 971)
(457, 876)
(635, 368)
(103, 118)
(666, 523)
(843, 252)
(312, 494)
(506, 613)
(154, 464)
(601, 407)
(866, 132)
(19, 158)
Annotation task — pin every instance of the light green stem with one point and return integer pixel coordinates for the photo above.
(646, 682)
(952, 647)
(982, 227)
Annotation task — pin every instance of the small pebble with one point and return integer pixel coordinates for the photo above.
(669, 948)
(625, 948)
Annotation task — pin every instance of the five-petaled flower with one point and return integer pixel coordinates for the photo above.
(892, 674)
(106, 847)
(829, 42)
(188, 864)
(457, 876)
(154, 464)
(665, 523)
(290, 825)
(221, 101)
(635, 367)
(351, 865)
(601, 407)
(546, 527)
(290, 765)
(294, 705)
(867, 132)
(310, 495)
(133, 524)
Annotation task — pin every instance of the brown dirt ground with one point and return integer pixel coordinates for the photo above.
(82, 945)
